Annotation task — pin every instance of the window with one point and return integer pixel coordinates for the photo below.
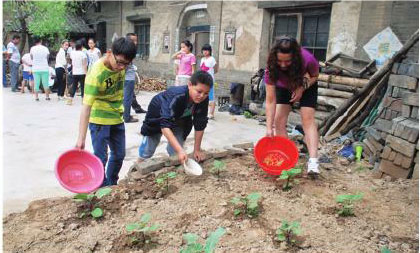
(315, 35)
(286, 25)
(97, 6)
(310, 27)
(142, 29)
(138, 3)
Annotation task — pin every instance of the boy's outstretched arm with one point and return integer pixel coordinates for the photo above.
(198, 154)
(83, 125)
(182, 156)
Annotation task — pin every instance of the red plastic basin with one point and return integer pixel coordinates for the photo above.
(79, 171)
(279, 147)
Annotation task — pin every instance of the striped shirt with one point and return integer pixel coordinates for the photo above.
(104, 92)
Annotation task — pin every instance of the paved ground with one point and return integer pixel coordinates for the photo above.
(35, 133)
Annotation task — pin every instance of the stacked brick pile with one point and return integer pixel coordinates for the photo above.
(392, 140)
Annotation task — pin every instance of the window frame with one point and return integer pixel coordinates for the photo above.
(139, 6)
(143, 41)
(299, 27)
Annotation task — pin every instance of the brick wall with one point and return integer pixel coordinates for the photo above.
(392, 141)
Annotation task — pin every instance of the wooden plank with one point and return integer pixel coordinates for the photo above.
(351, 81)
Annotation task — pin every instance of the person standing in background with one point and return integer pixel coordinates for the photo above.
(27, 72)
(60, 68)
(79, 68)
(40, 68)
(186, 65)
(5, 59)
(93, 53)
(14, 61)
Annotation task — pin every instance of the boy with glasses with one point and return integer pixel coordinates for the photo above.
(103, 109)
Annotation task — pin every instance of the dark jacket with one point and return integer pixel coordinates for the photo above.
(165, 111)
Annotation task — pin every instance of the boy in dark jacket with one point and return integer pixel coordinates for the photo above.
(173, 113)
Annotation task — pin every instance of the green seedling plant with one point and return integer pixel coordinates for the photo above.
(288, 231)
(385, 250)
(194, 247)
(248, 205)
(91, 202)
(347, 203)
(141, 231)
(163, 180)
(218, 167)
(289, 176)
(247, 114)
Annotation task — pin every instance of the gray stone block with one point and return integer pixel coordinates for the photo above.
(150, 165)
(415, 112)
(401, 146)
(375, 134)
(383, 125)
(393, 170)
(386, 152)
(403, 81)
(246, 145)
(406, 111)
(410, 98)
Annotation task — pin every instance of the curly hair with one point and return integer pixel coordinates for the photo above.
(286, 45)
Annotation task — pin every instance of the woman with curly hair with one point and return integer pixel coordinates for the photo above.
(291, 76)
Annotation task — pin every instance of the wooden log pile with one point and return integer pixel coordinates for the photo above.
(152, 84)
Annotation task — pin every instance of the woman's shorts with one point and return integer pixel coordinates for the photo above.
(182, 80)
(308, 99)
(27, 76)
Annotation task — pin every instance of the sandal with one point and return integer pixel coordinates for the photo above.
(37, 99)
(47, 98)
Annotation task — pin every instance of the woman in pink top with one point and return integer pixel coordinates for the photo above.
(291, 76)
(186, 63)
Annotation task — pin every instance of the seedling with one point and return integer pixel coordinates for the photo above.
(289, 176)
(247, 114)
(385, 250)
(288, 231)
(218, 166)
(163, 180)
(91, 202)
(248, 205)
(347, 201)
(141, 232)
(194, 247)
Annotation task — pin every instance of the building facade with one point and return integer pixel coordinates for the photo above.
(242, 32)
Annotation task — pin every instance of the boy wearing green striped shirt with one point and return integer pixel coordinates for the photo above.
(103, 107)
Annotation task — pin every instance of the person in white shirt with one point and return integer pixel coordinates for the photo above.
(209, 64)
(14, 61)
(60, 68)
(79, 69)
(27, 72)
(40, 68)
(93, 53)
(51, 76)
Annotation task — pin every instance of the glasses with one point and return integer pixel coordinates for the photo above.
(121, 63)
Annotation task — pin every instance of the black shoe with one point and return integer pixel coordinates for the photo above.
(140, 110)
(131, 120)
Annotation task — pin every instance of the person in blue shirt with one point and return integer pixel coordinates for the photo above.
(173, 113)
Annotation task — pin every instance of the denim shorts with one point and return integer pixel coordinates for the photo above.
(27, 76)
(150, 143)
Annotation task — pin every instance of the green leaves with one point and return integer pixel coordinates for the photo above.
(289, 175)
(171, 174)
(142, 225)
(97, 213)
(346, 202)
(213, 239)
(349, 198)
(248, 204)
(385, 250)
(218, 166)
(103, 192)
(163, 180)
(194, 247)
(287, 231)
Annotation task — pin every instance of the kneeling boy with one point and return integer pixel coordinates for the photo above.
(173, 113)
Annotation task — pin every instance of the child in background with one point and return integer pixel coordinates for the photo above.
(27, 72)
(173, 113)
(187, 62)
(93, 53)
(209, 64)
(51, 77)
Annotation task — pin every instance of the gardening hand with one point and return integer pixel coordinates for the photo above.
(80, 144)
(199, 155)
(182, 157)
(297, 95)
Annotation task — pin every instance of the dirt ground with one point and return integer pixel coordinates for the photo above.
(387, 215)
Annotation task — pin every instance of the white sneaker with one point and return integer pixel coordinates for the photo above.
(313, 168)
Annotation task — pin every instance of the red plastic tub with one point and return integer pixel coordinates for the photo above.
(79, 171)
(275, 154)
